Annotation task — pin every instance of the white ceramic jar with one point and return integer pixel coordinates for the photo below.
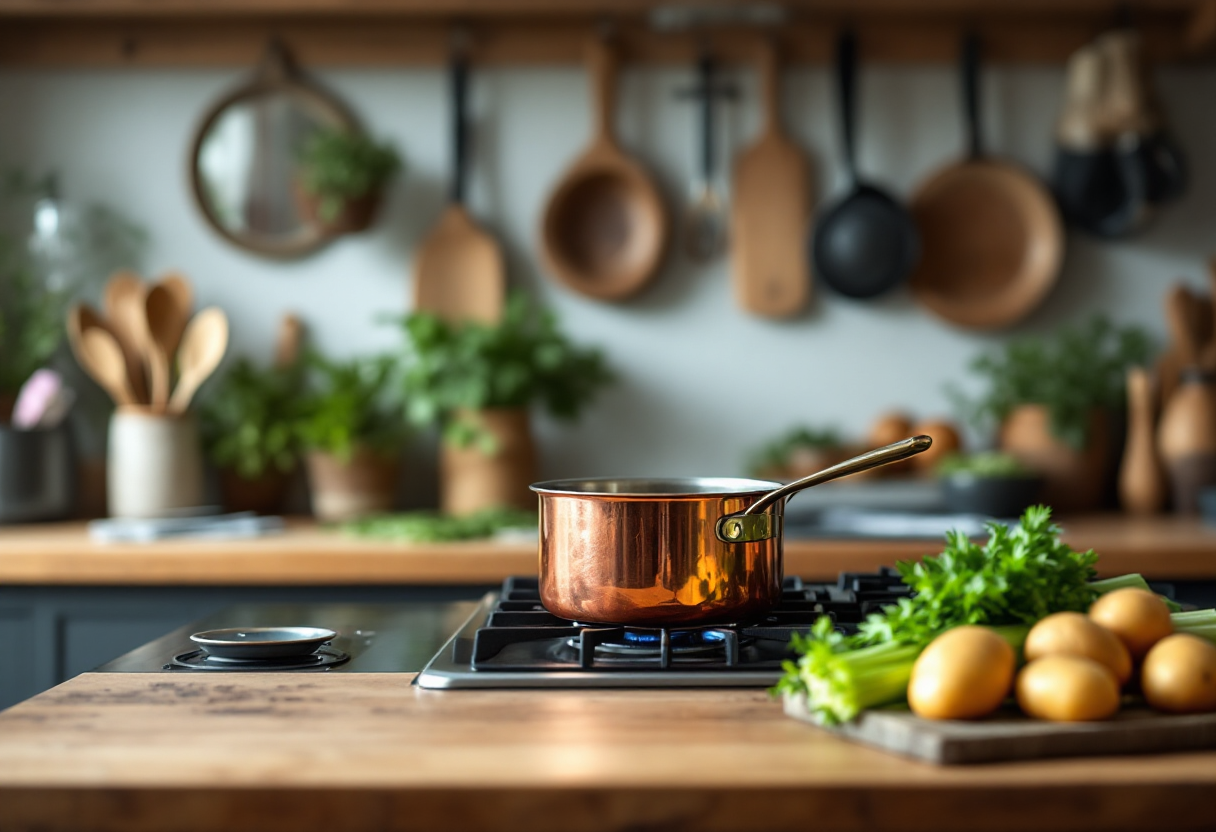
(154, 464)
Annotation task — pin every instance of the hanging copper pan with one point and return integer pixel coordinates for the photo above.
(991, 238)
(672, 552)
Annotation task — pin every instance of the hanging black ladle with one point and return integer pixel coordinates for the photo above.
(865, 242)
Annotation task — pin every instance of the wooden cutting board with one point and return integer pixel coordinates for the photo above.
(1010, 736)
(771, 205)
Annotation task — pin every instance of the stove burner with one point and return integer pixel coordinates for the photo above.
(323, 659)
(607, 643)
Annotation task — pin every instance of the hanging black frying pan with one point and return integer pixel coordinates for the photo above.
(865, 242)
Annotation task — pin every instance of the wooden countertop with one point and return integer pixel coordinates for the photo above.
(1164, 547)
(335, 752)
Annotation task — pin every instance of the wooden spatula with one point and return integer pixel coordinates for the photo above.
(459, 272)
(771, 205)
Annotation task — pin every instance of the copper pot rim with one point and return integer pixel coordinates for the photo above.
(657, 488)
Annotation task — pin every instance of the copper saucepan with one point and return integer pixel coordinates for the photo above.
(668, 552)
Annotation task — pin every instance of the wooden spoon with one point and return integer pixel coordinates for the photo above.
(166, 321)
(604, 227)
(179, 286)
(123, 301)
(202, 349)
(459, 274)
(82, 319)
(769, 212)
(103, 359)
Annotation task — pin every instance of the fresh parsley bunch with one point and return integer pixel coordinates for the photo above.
(1018, 576)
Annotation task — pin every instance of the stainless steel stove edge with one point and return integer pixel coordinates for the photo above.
(443, 673)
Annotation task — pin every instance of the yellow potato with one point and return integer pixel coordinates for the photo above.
(1073, 634)
(1138, 617)
(1067, 689)
(1179, 675)
(964, 673)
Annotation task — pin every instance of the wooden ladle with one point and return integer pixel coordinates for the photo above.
(202, 348)
(605, 227)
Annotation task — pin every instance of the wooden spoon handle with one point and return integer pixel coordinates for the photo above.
(158, 374)
(601, 67)
(287, 347)
(770, 87)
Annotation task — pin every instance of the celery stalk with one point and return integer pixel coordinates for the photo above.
(1131, 581)
(840, 683)
(1200, 623)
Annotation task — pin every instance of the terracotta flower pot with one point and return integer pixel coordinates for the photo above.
(356, 214)
(1073, 480)
(263, 495)
(345, 489)
(472, 479)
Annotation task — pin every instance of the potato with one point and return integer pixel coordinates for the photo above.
(946, 441)
(964, 673)
(1067, 689)
(1179, 675)
(1073, 634)
(888, 428)
(1138, 617)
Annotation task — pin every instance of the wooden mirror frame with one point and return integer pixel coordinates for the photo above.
(276, 75)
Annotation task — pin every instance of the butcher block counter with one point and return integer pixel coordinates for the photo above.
(279, 752)
(307, 555)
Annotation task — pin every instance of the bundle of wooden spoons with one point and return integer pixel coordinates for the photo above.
(146, 351)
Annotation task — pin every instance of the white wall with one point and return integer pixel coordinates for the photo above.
(701, 381)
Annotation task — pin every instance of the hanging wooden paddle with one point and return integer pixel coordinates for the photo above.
(770, 208)
(459, 274)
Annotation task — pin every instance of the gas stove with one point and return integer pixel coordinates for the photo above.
(510, 640)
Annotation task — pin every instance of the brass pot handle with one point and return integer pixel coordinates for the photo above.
(753, 524)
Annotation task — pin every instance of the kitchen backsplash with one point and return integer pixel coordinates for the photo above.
(701, 382)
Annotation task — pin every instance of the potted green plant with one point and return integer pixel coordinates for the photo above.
(1051, 400)
(798, 452)
(987, 482)
(248, 425)
(342, 177)
(479, 382)
(353, 432)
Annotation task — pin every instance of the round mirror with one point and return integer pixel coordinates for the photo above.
(243, 166)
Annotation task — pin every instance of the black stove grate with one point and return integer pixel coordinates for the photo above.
(519, 634)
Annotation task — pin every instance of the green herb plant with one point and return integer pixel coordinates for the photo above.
(525, 359)
(350, 404)
(339, 165)
(43, 270)
(433, 527)
(1020, 575)
(776, 454)
(248, 419)
(1076, 371)
(983, 465)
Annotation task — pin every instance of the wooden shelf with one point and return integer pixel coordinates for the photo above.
(162, 33)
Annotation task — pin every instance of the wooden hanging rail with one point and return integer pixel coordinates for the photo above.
(165, 33)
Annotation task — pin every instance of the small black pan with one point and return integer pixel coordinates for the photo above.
(864, 243)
